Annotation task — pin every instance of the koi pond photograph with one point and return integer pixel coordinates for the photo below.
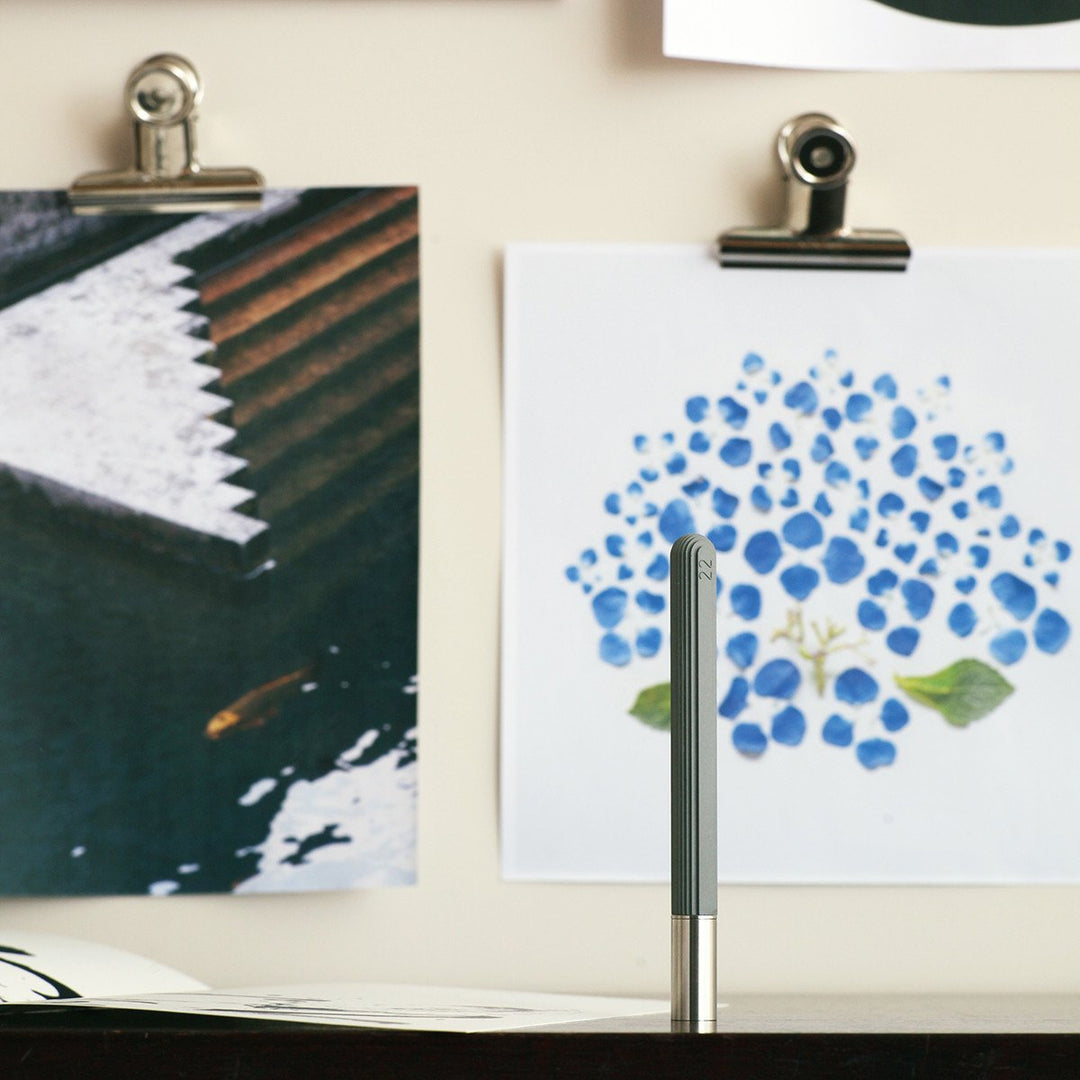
(209, 485)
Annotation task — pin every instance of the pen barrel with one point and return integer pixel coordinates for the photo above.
(693, 972)
(693, 726)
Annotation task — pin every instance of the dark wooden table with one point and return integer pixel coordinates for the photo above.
(758, 1038)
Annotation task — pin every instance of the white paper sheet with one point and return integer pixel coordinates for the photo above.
(864, 35)
(402, 1008)
(36, 967)
(641, 389)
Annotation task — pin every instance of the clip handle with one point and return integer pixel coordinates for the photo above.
(817, 156)
(162, 95)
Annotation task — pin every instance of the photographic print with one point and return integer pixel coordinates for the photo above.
(881, 462)
(867, 35)
(208, 545)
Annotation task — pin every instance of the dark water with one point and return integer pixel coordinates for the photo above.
(113, 660)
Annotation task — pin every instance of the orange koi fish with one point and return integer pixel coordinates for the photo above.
(253, 709)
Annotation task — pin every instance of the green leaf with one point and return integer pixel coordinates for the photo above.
(965, 691)
(653, 706)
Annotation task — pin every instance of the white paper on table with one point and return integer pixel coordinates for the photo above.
(402, 1008)
(36, 966)
(608, 343)
(857, 35)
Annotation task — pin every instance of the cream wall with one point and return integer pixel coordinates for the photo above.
(540, 120)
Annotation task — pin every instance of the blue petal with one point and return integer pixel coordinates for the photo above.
(882, 582)
(801, 397)
(905, 552)
(990, 496)
(788, 726)
(837, 474)
(799, 581)
(742, 649)
(980, 555)
(960, 510)
(777, 679)
(965, 584)
(860, 519)
(760, 498)
(736, 452)
(946, 446)
(658, 568)
(865, 445)
(752, 363)
(903, 640)
(641, 442)
(822, 505)
(697, 408)
(838, 731)
(676, 521)
(612, 503)
(1014, 594)
(905, 460)
(735, 700)
(676, 464)
(858, 406)
(871, 615)
(920, 520)
(821, 449)
(843, 561)
(790, 499)
(763, 551)
(609, 607)
(792, 468)
(1009, 647)
(733, 413)
(749, 739)
(615, 649)
(615, 545)
(625, 572)
(649, 641)
(832, 418)
(723, 537)
(746, 601)
(724, 503)
(890, 504)
(885, 385)
(962, 619)
(874, 753)
(696, 487)
(930, 488)
(855, 686)
(803, 531)
(903, 422)
(650, 603)
(947, 544)
(778, 436)
(918, 598)
(1062, 551)
(699, 442)
(893, 715)
(1051, 631)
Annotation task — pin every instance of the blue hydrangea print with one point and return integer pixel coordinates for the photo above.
(852, 525)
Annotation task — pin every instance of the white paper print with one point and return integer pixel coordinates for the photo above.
(883, 462)
(400, 1008)
(41, 967)
(877, 34)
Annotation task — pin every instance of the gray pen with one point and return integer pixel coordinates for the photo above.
(693, 784)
